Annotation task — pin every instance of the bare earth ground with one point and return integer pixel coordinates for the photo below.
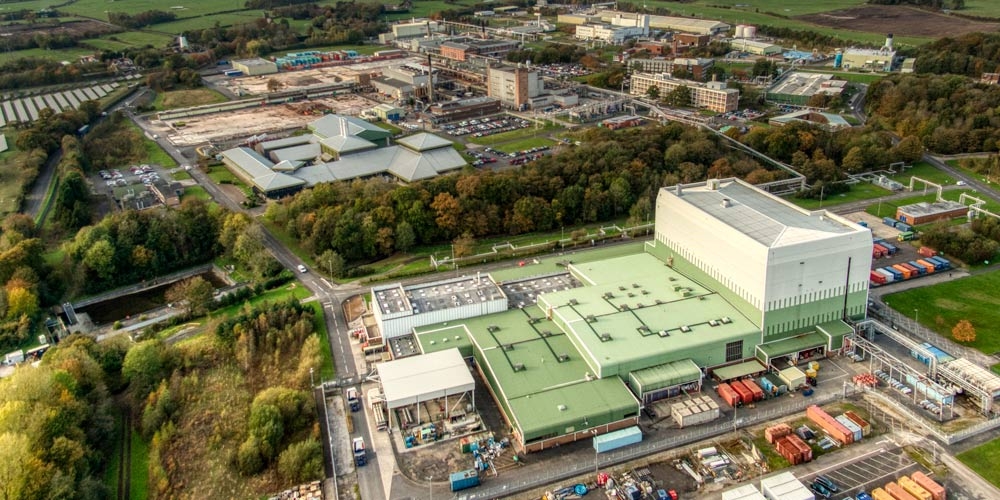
(905, 21)
(240, 124)
(291, 80)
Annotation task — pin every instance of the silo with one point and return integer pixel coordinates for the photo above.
(740, 31)
(750, 31)
(838, 59)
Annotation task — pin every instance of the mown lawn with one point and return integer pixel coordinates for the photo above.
(524, 144)
(139, 485)
(924, 171)
(196, 192)
(862, 191)
(973, 298)
(983, 460)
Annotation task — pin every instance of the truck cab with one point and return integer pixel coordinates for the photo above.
(360, 454)
(352, 399)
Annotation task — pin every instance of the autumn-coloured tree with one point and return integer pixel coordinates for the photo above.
(964, 331)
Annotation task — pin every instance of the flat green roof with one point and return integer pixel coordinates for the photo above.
(550, 264)
(739, 370)
(794, 344)
(569, 408)
(434, 338)
(666, 375)
(836, 328)
(635, 298)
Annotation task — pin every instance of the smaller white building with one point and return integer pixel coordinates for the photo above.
(398, 309)
(615, 35)
(418, 379)
(785, 486)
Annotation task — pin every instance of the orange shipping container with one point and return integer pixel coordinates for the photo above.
(758, 393)
(745, 395)
(728, 394)
(927, 252)
(880, 494)
(907, 274)
(804, 449)
(914, 489)
(926, 265)
(772, 434)
(936, 490)
(866, 428)
(898, 492)
(835, 429)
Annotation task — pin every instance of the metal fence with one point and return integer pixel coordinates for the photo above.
(911, 327)
(745, 418)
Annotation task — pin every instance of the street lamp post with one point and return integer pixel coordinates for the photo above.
(916, 316)
(430, 489)
(312, 380)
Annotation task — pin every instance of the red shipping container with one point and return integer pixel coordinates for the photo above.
(927, 252)
(936, 490)
(745, 395)
(758, 393)
(789, 451)
(882, 251)
(773, 434)
(898, 492)
(876, 278)
(831, 426)
(866, 428)
(804, 450)
(728, 394)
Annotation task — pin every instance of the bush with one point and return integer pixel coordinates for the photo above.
(301, 462)
(249, 460)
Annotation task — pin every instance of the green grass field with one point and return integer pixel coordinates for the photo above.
(524, 144)
(99, 8)
(196, 192)
(71, 55)
(971, 298)
(982, 8)
(198, 23)
(184, 98)
(513, 135)
(326, 371)
(887, 208)
(847, 75)
(139, 485)
(862, 191)
(983, 460)
(154, 153)
(924, 171)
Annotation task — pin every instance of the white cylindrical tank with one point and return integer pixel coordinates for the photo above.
(750, 31)
(740, 31)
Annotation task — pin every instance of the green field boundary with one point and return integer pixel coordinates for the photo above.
(139, 478)
(50, 196)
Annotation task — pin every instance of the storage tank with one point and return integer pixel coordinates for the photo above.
(750, 31)
(838, 59)
(740, 31)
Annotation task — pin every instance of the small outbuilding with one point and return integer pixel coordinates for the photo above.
(925, 213)
(428, 377)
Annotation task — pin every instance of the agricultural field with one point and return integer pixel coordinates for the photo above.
(92, 8)
(982, 8)
(905, 21)
(969, 298)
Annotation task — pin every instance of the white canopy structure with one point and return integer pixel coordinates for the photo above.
(416, 379)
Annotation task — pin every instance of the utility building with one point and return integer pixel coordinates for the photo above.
(514, 86)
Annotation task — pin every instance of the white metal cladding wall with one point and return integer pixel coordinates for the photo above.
(398, 327)
(817, 270)
(734, 259)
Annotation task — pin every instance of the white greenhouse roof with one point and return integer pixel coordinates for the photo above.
(426, 377)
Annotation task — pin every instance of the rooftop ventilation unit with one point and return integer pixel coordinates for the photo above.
(713, 322)
(563, 358)
(605, 337)
(492, 328)
(573, 302)
(658, 301)
(561, 407)
(645, 292)
(635, 285)
(677, 288)
(685, 328)
(546, 333)
(508, 347)
(591, 318)
(631, 295)
(663, 333)
(638, 305)
(643, 328)
(725, 320)
(518, 367)
(532, 321)
(623, 307)
(702, 297)
(608, 295)
(671, 278)
(621, 289)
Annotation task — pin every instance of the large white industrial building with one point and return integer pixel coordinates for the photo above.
(398, 309)
(793, 268)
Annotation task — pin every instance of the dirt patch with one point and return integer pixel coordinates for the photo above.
(899, 20)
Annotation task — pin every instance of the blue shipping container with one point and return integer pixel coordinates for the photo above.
(904, 227)
(889, 221)
(851, 426)
(464, 479)
(921, 270)
(896, 275)
(617, 439)
(890, 247)
(862, 223)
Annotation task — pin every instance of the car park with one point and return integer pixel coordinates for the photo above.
(826, 482)
(819, 490)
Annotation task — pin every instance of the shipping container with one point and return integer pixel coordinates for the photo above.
(726, 392)
(833, 428)
(905, 235)
(911, 487)
(879, 251)
(940, 263)
(788, 450)
(921, 270)
(464, 479)
(898, 492)
(889, 277)
(866, 428)
(903, 270)
(773, 385)
(773, 433)
(617, 439)
(896, 275)
(904, 227)
(758, 393)
(927, 265)
(876, 278)
(881, 494)
(804, 450)
(890, 247)
(927, 252)
(851, 426)
(936, 490)
(792, 377)
(746, 396)
(889, 221)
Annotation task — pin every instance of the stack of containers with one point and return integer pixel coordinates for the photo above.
(773, 385)
(789, 450)
(866, 428)
(758, 393)
(774, 433)
(745, 395)
(914, 489)
(898, 492)
(835, 429)
(889, 247)
(727, 394)
(804, 450)
(851, 426)
(936, 490)
(879, 251)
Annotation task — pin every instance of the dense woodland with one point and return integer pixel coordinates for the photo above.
(948, 113)
(611, 175)
(56, 424)
(975, 244)
(971, 54)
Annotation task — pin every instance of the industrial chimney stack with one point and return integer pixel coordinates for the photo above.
(888, 42)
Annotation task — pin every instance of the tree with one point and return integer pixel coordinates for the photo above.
(267, 428)
(679, 97)
(273, 85)
(15, 455)
(964, 331)
(195, 292)
(301, 461)
(144, 366)
(332, 262)
(653, 92)
(405, 237)
(463, 245)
